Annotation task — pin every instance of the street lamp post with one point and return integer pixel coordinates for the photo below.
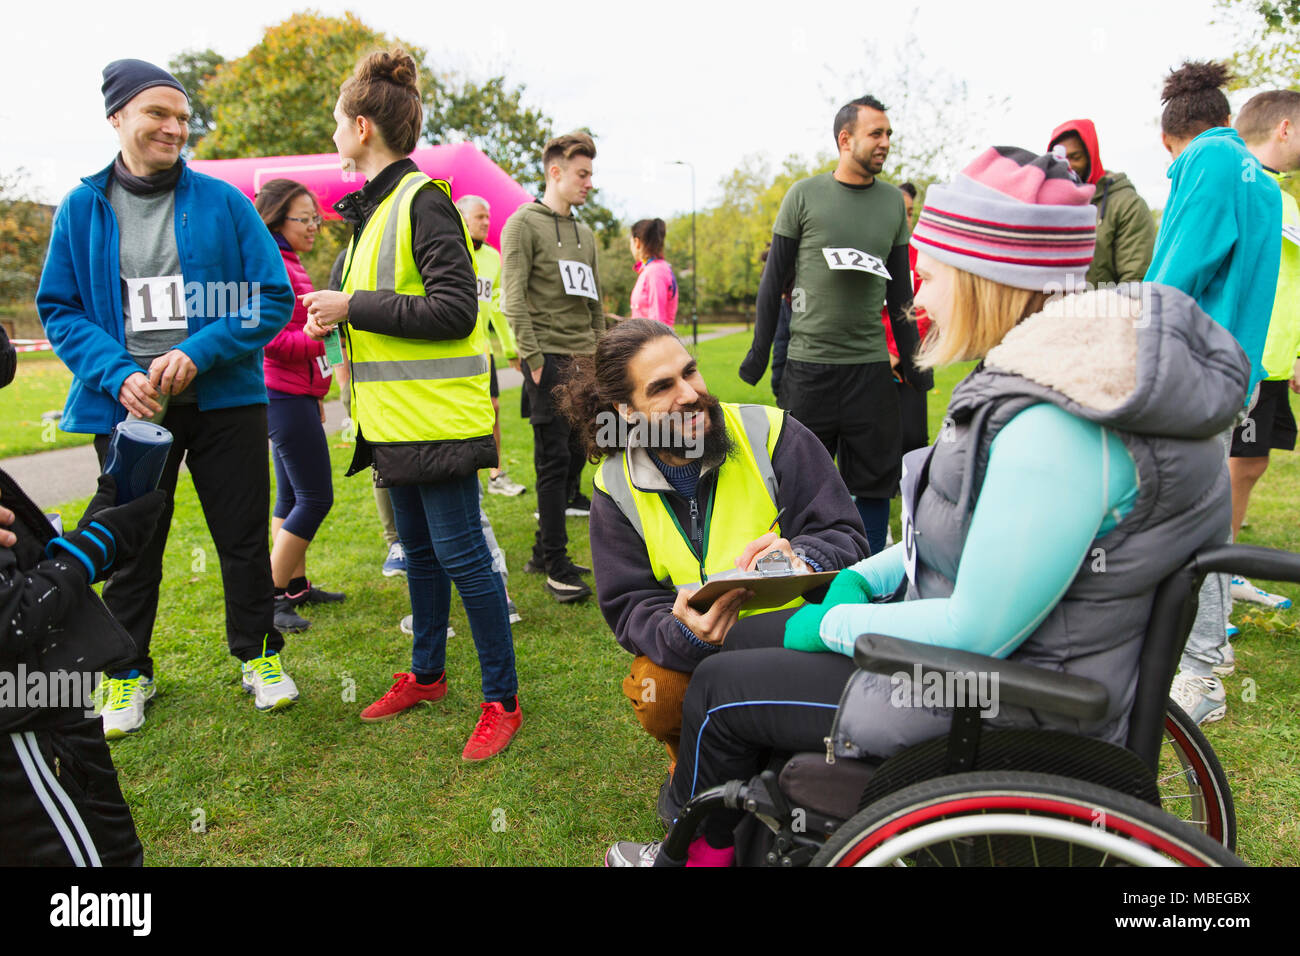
(695, 276)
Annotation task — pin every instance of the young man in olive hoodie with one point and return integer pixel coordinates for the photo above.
(550, 293)
(1126, 231)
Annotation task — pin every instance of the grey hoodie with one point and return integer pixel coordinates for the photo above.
(1169, 381)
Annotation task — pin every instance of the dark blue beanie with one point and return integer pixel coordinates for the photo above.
(123, 79)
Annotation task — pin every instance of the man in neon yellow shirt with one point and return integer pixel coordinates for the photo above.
(1270, 126)
(487, 265)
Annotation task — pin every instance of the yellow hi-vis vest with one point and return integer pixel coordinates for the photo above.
(741, 507)
(411, 390)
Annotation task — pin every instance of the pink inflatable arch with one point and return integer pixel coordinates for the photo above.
(463, 165)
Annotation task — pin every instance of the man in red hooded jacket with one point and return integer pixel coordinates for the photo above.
(1126, 232)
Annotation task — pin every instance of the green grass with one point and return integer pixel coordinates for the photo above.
(40, 386)
(315, 786)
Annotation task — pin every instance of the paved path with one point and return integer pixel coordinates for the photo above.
(65, 474)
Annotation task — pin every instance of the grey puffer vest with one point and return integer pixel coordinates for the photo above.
(1145, 362)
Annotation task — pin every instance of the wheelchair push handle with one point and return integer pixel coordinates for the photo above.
(1248, 560)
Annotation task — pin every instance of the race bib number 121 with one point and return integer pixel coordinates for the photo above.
(577, 278)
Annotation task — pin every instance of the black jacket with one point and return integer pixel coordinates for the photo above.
(50, 620)
(448, 310)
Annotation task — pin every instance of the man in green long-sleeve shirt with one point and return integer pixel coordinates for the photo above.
(551, 297)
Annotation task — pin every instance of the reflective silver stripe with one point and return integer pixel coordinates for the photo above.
(616, 486)
(757, 425)
(386, 272)
(29, 765)
(414, 370)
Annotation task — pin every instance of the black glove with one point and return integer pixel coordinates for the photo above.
(109, 534)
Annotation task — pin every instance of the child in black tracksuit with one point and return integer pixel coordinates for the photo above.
(60, 803)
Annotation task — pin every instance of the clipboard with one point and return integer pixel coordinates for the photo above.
(770, 591)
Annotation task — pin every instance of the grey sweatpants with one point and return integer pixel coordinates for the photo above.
(1210, 629)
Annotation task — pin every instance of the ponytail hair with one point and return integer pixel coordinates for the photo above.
(650, 233)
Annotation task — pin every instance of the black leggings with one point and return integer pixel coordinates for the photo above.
(304, 488)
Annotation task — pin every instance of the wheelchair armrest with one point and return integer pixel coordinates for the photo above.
(1065, 694)
(1250, 561)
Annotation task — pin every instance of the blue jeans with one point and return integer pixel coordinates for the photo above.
(438, 523)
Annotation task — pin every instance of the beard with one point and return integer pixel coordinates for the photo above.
(716, 446)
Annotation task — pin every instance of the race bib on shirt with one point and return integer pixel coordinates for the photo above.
(854, 260)
(577, 278)
(485, 290)
(157, 303)
(1292, 233)
(322, 363)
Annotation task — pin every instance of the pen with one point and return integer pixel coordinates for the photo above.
(776, 519)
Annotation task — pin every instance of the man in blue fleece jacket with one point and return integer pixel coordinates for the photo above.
(1220, 241)
(159, 290)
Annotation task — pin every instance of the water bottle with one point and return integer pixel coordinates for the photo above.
(137, 453)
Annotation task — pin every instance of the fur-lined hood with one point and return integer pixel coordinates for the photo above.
(1143, 358)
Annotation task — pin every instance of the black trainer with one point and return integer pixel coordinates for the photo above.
(579, 506)
(287, 620)
(566, 585)
(533, 566)
(316, 596)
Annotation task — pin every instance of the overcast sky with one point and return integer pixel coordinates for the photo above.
(699, 81)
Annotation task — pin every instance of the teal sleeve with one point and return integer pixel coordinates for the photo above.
(1036, 517)
(883, 572)
(1198, 227)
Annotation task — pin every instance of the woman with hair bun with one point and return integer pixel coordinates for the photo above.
(418, 367)
(655, 294)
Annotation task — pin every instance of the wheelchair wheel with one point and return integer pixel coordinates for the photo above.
(1011, 818)
(1193, 786)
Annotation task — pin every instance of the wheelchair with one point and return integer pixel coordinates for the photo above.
(1008, 797)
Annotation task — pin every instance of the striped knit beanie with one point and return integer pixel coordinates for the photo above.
(1014, 217)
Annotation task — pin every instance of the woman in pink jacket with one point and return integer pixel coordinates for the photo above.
(655, 294)
(297, 378)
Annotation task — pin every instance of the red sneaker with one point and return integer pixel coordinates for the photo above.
(406, 693)
(495, 728)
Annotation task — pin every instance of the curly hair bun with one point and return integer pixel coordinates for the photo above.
(392, 66)
(1195, 77)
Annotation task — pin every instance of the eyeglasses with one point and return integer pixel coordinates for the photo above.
(309, 221)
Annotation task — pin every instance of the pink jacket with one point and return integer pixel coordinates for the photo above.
(655, 294)
(289, 359)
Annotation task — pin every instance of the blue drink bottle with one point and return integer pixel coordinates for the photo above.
(136, 455)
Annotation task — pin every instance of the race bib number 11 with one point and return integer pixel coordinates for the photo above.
(855, 260)
(577, 278)
(156, 303)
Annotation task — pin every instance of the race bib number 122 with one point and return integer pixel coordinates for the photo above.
(156, 303)
(577, 278)
(854, 260)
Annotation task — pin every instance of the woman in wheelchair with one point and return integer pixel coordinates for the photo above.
(1077, 466)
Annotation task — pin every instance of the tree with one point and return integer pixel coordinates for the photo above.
(279, 97)
(195, 69)
(1266, 44)
(495, 119)
(24, 237)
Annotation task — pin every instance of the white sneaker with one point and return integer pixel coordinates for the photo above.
(502, 485)
(124, 700)
(1243, 590)
(407, 624)
(264, 677)
(1202, 698)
